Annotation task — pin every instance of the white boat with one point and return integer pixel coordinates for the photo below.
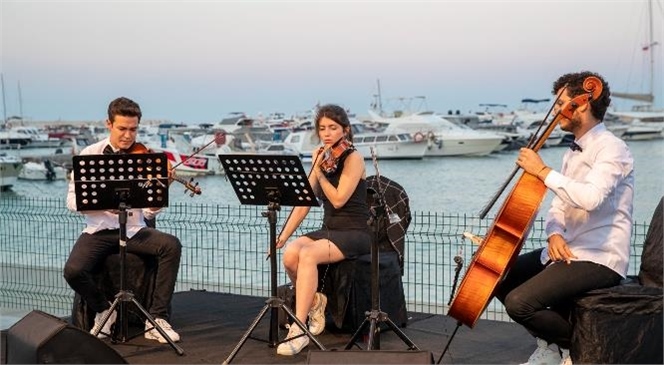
(10, 166)
(274, 148)
(393, 145)
(197, 165)
(640, 125)
(42, 171)
(514, 136)
(644, 121)
(39, 138)
(14, 139)
(303, 142)
(532, 122)
(237, 121)
(642, 131)
(443, 137)
(387, 145)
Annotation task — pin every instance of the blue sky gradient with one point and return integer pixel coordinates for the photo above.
(196, 61)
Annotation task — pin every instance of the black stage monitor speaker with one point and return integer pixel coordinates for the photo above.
(40, 338)
(369, 357)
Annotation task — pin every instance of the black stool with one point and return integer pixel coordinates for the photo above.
(141, 277)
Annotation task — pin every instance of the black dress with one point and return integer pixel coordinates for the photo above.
(347, 226)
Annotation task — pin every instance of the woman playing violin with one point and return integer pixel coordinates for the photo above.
(100, 235)
(339, 178)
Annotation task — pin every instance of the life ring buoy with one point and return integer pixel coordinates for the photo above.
(418, 137)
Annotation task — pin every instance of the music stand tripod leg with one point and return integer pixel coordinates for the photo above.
(125, 296)
(302, 326)
(274, 302)
(246, 335)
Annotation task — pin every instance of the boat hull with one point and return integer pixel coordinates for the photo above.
(9, 171)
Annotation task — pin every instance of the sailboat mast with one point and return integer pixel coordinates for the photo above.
(20, 102)
(651, 44)
(4, 104)
(380, 98)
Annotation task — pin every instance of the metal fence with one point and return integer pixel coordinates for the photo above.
(224, 249)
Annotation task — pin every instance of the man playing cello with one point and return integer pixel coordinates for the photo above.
(588, 225)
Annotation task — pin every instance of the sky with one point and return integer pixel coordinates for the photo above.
(196, 61)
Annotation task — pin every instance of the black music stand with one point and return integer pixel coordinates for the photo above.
(270, 180)
(104, 182)
(375, 316)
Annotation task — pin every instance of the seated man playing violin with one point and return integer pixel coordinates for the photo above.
(100, 237)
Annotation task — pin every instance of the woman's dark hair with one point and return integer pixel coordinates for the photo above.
(124, 107)
(574, 83)
(337, 114)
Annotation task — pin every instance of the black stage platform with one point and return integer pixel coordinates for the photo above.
(211, 324)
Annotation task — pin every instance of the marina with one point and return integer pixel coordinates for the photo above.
(441, 95)
(432, 183)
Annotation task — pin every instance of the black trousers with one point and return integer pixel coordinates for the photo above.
(539, 297)
(91, 250)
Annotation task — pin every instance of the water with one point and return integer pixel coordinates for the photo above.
(447, 185)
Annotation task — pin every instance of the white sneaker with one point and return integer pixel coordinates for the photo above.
(543, 355)
(153, 334)
(295, 345)
(566, 359)
(317, 314)
(106, 330)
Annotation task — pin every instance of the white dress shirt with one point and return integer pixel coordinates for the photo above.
(592, 208)
(99, 220)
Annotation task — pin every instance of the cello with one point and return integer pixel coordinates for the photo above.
(502, 243)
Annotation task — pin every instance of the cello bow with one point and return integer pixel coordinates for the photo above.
(503, 242)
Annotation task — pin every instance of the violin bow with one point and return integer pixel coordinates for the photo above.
(219, 137)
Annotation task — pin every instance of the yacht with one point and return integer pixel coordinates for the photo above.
(386, 144)
(10, 166)
(45, 170)
(443, 138)
(514, 136)
(639, 130)
(644, 120)
(39, 138)
(12, 139)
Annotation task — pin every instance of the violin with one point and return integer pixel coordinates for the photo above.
(140, 148)
(334, 154)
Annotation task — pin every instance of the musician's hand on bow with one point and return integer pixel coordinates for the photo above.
(280, 243)
(558, 249)
(530, 161)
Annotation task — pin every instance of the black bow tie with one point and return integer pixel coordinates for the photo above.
(575, 147)
(108, 150)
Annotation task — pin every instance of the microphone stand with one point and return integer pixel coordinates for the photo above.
(375, 315)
